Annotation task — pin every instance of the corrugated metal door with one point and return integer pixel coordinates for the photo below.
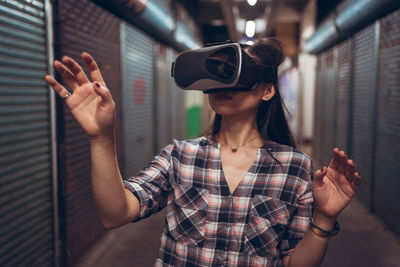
(138, 98)
(178, 113)
(387, 156)
(363, 108)
(342, 94)
(83, 26)
(318, 107)
(163, 98)
(325, 107)
(26, 187)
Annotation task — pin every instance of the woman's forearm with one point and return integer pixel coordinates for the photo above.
(310, 251)
(116, 205)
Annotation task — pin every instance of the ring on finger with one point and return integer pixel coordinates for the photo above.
(67, 95)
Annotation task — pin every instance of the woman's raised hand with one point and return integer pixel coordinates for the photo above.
(335, 186)
(90, 102)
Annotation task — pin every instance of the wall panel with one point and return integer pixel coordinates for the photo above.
(83, 26)
(138, 99)
(363, 108)
(325, 107)
(163, 97)
(178, 112)
(342, 95)
(387, 156)
(26, 185)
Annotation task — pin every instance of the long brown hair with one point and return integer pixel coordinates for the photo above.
(271, 120)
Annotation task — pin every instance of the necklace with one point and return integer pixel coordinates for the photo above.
(235, 149)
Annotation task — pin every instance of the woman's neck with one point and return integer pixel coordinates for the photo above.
(236, 131)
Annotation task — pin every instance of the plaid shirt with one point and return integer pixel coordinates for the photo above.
(207, 225)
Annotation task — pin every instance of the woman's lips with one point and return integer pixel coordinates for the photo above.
(221, 96)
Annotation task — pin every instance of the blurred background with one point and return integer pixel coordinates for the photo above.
(340, 81)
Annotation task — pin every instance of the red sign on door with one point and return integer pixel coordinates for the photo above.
(139, 91)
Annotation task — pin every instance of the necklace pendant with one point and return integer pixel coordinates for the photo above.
(234, 150)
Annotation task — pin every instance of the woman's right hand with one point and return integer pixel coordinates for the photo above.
(90, 103)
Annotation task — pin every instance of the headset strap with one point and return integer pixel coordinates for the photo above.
(266, 73)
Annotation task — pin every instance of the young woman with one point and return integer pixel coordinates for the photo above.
(241, 196)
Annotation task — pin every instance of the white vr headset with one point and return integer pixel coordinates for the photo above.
(220, 66)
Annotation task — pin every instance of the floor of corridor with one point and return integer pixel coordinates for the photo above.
(363, 241)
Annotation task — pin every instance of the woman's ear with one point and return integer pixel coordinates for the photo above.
(269, 92)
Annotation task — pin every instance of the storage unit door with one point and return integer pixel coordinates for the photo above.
(318, 108)
(85, 27)
(138, 99)
(325, 107)
(26, 187)
(178, 113)
(387, 156)
(363, 108)
(163, 98)
(342, 95)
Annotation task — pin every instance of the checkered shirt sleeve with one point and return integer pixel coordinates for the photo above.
(151, 186)
(298, 225)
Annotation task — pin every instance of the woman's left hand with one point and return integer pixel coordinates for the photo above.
(335, 186)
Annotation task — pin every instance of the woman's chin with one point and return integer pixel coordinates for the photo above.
(226, 110)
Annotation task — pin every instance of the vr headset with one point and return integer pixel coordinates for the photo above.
(216, 67)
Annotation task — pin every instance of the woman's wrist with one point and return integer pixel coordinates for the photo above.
(103, 143)
(324, 233)
(99, 139)
(323, 221)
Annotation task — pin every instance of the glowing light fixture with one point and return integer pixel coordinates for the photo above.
(250, 28)
(252, 2)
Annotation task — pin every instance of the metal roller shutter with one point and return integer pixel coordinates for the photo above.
(163, 97)
(138, 99)
(328, 130)
(26, 186)
(343, 95)
(318, 107)
(325, 107)
(387, 156)
(83, 26)
(363, 108)
(178, 119)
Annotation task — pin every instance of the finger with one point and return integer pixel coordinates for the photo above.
(76, 69)
(94, 70)
(356, 181)
(351, 169)
(66, 74)
(103, 91)
(61, 91)
(335, 159)
(319, 175)
(357, 178)
(342, 167)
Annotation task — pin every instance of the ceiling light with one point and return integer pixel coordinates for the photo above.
(250, 28)
(252, 2)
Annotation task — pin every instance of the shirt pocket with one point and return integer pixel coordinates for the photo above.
(186, 215)
(267, 224)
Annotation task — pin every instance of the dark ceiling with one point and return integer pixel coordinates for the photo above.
(220, 20)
